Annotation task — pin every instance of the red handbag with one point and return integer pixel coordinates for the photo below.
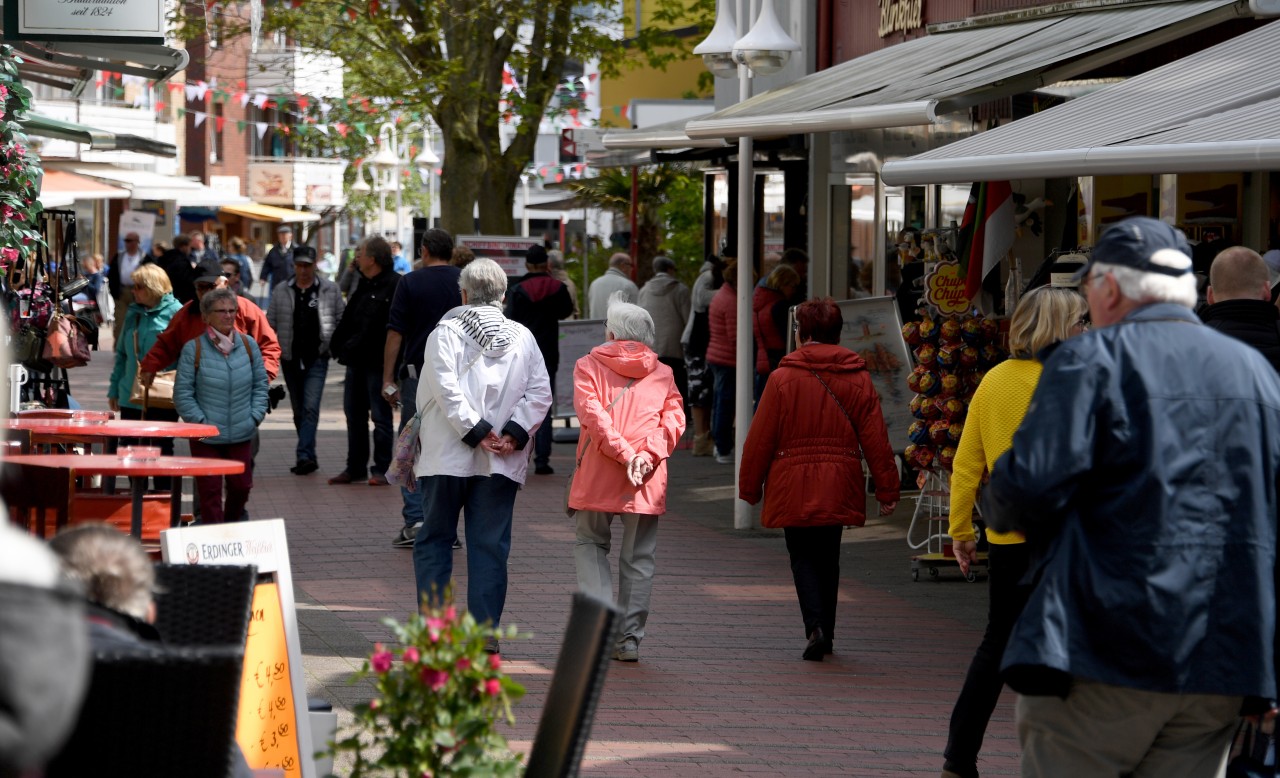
(66, 345)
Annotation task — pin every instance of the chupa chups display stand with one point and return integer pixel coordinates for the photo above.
(953, 349)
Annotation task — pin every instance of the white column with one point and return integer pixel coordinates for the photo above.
(743, 515)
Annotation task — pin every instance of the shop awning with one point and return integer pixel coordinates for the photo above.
(59, 189)
(270, 213)
(98, 140)
(146, 185)
(1217, 110)
(668, 135)
(958, 66)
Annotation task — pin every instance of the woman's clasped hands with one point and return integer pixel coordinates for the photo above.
(500, 445)
(638, 468)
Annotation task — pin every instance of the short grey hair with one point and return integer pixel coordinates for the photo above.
(555, 258)
(112, 567)
(484, 282)
(1146, 288)
(212, 297)
(629, 322)
(664, 264)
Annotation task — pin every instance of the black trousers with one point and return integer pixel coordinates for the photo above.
(1007, 564)
(815, 566)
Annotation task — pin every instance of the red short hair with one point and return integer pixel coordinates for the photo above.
(819, 319)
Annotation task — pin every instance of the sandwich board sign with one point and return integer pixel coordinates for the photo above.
(272, 726)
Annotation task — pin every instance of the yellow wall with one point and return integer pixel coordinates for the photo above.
(678, 80)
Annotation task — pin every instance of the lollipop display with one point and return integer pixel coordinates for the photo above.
(952, 354)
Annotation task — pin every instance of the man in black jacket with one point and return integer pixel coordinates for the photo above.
(1239, 300)
(277, 266)
(358, 343)
(178, 266)
(539, 302)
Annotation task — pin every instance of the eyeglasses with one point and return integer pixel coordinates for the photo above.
(225, 311)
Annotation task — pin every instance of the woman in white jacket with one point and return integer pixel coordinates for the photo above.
(483, 393)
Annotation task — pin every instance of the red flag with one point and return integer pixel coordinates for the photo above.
(986, 234)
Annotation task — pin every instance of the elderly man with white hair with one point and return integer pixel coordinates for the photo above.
(632, 417)
(617, 279)
(1144, 477)
(483, 392)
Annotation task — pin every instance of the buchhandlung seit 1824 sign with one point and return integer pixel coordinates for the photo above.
(140, 21)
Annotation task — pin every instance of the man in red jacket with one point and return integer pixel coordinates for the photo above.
(187, 324)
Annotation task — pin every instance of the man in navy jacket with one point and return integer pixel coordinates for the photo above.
(1144, 476)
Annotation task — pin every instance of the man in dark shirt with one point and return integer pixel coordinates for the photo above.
(422, 297)
(358, 344)
(539, 302)
(178, 266)
(1239, 298)
(278, 264)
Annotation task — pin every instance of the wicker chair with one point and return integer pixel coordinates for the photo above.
(566, 719)
(157, 712)
(204, 605)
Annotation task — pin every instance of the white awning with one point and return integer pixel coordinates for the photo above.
(668, 135)
(963, 65)
(1217, 111)
(146, 185)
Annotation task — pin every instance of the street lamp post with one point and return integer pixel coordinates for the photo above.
(727, 51)
(389, 160)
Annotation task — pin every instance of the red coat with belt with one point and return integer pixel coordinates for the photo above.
(803, 455)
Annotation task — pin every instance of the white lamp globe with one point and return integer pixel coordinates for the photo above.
(767, 48)
(717, 49)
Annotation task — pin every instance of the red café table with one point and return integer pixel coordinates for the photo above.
(112, 465)
(109, 431)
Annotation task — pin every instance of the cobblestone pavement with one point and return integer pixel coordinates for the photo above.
(720, 688)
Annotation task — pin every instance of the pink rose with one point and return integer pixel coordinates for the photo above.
(464, 665)
(375, 704)
(6, 211)
(495, 661)
(411, 655)
(9, 255)
(450, 614)
(493, 687)
(380, 661)
(434, 679)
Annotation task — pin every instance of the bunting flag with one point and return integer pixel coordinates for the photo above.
(986, 234)
(199, 117)
(261, 128)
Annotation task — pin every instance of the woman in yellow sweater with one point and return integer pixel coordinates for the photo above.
(1043, 317)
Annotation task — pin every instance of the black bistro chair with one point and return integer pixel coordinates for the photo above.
(565, 725)
(204, 605)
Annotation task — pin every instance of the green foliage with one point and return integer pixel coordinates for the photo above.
(19, 169)
(439, 697)
(681, 214)
(445, 58)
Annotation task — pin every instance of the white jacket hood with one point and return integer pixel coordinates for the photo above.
(485, 326)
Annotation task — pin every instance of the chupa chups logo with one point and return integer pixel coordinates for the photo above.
(944, 288)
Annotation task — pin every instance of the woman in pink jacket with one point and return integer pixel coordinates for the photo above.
(631, 416)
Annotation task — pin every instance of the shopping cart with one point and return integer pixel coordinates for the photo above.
(932, 514)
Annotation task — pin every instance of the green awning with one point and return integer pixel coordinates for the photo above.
(98, 140)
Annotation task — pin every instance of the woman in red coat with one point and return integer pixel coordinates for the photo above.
(818, 416)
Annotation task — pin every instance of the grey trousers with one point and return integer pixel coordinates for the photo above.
(636, 562)
(1102, 730)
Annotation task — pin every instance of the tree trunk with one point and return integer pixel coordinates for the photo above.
(462, 173)
(497, 205)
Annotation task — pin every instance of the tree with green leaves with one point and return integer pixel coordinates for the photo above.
(475, 67)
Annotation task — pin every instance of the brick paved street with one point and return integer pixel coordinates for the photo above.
(720, 688)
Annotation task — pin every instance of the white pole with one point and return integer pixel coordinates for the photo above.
(524, 208)
(743, 515)
(395, 144)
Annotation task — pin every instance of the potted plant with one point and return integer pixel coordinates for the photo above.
(438, 700)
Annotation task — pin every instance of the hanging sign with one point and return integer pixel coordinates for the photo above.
(944, 288)
(138, 21)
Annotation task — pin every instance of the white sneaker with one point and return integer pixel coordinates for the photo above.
(724, 459)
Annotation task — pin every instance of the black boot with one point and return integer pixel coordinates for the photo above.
(817, 646)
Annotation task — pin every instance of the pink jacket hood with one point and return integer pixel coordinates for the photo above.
(627, 357)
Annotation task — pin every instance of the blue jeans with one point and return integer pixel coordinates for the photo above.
(487, 504)
(412, 510)
(306, 387)
(723, 402)
(362, 398)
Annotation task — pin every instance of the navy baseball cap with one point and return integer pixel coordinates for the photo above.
(1141, 243)
(305, 255)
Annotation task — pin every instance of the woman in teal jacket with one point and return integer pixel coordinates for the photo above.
(147, 316)
(222, 381)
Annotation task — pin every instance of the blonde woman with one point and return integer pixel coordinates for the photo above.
(1042, 318)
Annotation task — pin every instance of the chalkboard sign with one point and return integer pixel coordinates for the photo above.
(577, 338)
(272, 727)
